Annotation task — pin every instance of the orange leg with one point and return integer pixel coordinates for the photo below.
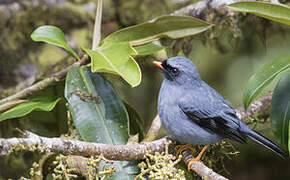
(183, 148)
(197, 158)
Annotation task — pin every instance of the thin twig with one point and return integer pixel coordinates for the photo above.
(56, 77)
(153, 131)
(10, 104)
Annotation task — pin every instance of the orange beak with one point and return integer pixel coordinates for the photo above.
(158, 64)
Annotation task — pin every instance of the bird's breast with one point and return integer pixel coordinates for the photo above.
(176, 123)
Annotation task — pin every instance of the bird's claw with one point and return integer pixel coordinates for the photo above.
(197, 158)
(182, 148)
(191, 161)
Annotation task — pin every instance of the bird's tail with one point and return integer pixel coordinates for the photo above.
(267, 143)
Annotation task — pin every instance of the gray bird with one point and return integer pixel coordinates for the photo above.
(194, 113)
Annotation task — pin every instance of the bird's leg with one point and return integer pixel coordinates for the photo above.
(197, 158)
(183, 148)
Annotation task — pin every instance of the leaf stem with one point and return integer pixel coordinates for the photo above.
(97, 27)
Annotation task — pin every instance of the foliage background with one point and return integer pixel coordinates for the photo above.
(226, 57)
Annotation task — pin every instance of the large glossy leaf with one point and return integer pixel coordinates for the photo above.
(45, 103)
(164, 26)
(147, 49)
(263, 77)
(274, 12)
(52, 35)
(97, 112)
(117, 58)
(280, 110)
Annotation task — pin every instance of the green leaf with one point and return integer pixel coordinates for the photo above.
(280, 110)
(264, 77)
(164, 26)
(36, 103)
(52, 35)
(147, 49)
(274, 12)
(52, 123)
(97, 112)
(116, 58)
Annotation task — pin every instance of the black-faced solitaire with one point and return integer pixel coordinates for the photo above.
(194, 113)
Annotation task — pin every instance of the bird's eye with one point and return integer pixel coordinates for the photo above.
(175, 71)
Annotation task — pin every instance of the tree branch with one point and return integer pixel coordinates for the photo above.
(202, 170)
(74, 147)
(259, 109)
(56, 77)
(201, 9)
(10, 104)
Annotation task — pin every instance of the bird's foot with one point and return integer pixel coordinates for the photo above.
(181, 148)
(197, 158)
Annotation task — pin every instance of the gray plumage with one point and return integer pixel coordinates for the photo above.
(194, 113)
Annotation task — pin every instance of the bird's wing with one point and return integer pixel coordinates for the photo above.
(216, 94)
(219, 119)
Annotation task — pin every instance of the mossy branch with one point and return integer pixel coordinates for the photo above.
(56, 77)
(201, 9)
(32, 141)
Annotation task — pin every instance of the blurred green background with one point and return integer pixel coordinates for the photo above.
(226, 56)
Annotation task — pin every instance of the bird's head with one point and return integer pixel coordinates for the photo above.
(179, 70)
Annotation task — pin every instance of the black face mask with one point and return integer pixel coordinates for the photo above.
(169, 71)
